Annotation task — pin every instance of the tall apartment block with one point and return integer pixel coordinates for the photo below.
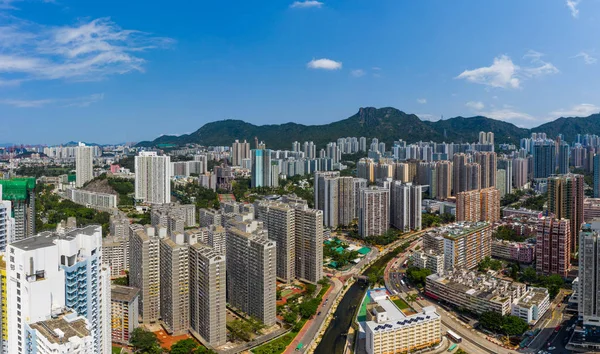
(506, 165)
(443, 171)
(174, 286)
(119, 225)
(84, 165)
(175, 217)
(279, 220)
(209, 217)
(478, 205)
(3, 308)
(374, 218)
(488, 163)
(346, 200)
(7, 223)
(251, 274)
(459, 173)
(589, 268)
(124, 312)
(144, 270)
(405, 206)
(565, 201)
(596, 168)
(365, 168)
(20, 192)
(239, 151)
(152, 178)
(326, 196)
(563, 158)
(309, 243)
(48, 273)
(553, 246)
(208, 294)
(261, 174)
(520, 172)
(217, 238)
(544, 160)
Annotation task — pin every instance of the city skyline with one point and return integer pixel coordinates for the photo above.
(88, 70)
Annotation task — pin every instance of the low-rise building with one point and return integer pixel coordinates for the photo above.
(65, 333)
(532, 306)
(429, 259)
(102, 201)
(513, 251)
(389, 330)
(477, 292)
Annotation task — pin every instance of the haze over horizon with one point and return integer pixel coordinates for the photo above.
(79, 71)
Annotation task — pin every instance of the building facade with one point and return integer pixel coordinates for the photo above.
(152, 178)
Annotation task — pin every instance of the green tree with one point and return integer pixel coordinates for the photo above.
(492, 321)
(240, 329)
(309, 307)
(411, 298)
(514, 326)
(184, 346)
(529, 276)
(417, 276)
(144, 341)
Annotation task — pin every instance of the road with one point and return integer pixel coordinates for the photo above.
(312, 326)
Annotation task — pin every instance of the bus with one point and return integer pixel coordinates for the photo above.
(452, 347)
(455, 337)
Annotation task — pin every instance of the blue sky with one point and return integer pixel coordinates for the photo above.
(112, 71)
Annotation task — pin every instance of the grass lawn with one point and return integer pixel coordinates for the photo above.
(116, 350)
(401, 304)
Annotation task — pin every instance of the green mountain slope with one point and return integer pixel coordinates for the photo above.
(387, 124)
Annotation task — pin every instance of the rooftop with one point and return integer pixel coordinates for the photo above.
(123, 293)
(459, 229)
(59, 330)
(396, 318)
(534, 297)
(47, 238)
(481, 285)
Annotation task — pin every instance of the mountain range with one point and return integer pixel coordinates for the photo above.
(387, 124)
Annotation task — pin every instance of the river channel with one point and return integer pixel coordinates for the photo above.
(334, 339)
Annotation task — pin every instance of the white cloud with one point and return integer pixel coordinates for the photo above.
(357, 73)
(376, 68)
(83, 101)
(26, 103)
(421, 100)
(580, 110)
(504, 73)
(475, 105)
(87, 51)
(587, 58)
(325, 64)
(572, 5)
(507, 114)
(306, 4)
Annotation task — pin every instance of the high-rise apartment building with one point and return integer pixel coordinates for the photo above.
(597, 176)
(7, 223)
(144, 270)
(20, 192)
(309, 243)
(326, 189)
(473, 176)
(443, 179)
(488, 166)
(365, 168)
(374, 215)
(478, 205)
(152, 178)
(251, 274)
(553, 246)
(346, 200)
(174, 286)
(3, 308)
(505, 164)
(589, 268)
(279, 220)
(565, 201)
(261, 174)
(48, 273)
(563, 158)
(208, 311)
(84, 165)
(520, 172)
(459, 173)
(405, 206)
(239, 152)
(124, 312)
(217, 238)
(544, 160)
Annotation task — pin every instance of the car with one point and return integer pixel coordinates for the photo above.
(319, 313)
(551, 348)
